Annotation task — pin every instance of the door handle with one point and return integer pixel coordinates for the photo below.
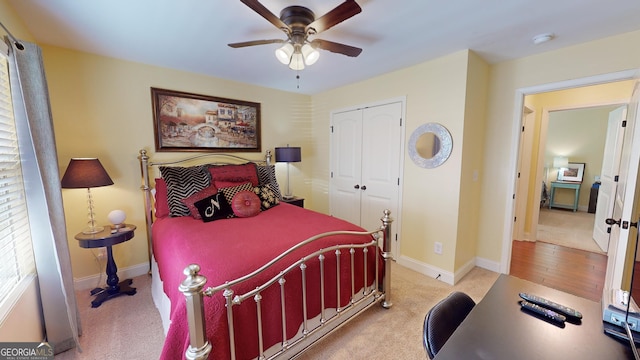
(611, 221)
(363, 188)
(356, 187)
(625, 224)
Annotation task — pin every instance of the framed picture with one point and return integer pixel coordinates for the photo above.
(573, 172)
(191, 122)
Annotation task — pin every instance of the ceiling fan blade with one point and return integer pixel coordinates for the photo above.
(256, 6)
(336, 47)
(339, 14)
(256, 42)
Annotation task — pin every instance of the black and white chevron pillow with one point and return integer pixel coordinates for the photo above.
(183, 182)
(267, 176)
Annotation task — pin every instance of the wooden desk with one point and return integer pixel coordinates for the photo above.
(498, 329)
(565, 185)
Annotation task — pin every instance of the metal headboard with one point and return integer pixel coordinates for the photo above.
(205, 158)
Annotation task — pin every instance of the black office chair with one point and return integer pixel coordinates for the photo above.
(443, 319)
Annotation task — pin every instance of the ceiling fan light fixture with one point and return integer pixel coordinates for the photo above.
(310, 54)
(284, 53)
(297, 61)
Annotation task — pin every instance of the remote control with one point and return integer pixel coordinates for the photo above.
(547, 313)
(564, 310)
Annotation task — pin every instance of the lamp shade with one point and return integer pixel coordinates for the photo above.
(85, 173)
(297, 61)
(288, 154)
(560, 162)
(284, 53)
(310, 54)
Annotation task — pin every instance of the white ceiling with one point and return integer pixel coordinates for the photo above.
(193, 35)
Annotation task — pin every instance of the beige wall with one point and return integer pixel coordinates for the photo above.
(579, 135)
(450, 91)
(594, 58)
(102, 108)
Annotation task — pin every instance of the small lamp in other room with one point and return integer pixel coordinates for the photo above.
(288, 155)
(560, 162)
(86, 173)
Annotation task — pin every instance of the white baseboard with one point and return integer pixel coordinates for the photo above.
(426, 269)
(447, 276)
(90, 282)
(488, 264)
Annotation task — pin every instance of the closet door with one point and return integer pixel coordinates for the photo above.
(365, 164)
(346, 170)
(380, 184)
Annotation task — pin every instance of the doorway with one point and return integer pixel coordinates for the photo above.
(575, 137)
(577, 93)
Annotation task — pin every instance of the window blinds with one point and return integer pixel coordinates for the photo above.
(16, 254)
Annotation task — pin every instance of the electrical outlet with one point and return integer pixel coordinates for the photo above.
(102, 253)
(437, 248)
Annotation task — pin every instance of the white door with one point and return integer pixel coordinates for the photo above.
(608, 184)
(366, 149)
(522, 182)
(346, 170)
(380, 163)
(625, 208)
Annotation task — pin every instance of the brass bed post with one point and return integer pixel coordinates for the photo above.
(146, 187)
(388, 257)
(191, 287)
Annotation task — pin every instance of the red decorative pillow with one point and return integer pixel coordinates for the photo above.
(161, 202)
(245, 204)
(202, 194)
(231, 175)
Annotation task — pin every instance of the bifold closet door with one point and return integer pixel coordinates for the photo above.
(346, 165)
(380, 163)
(365, 163)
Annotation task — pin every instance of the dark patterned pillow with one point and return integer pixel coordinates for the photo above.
(183, 182)
(214, 207)
(230, 192)
(246, 204)
(191, 200)
(268, 197)
(267, 175)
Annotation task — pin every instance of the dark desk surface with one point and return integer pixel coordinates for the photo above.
(498, 329)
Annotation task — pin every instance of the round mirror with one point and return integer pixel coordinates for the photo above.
(430, 145)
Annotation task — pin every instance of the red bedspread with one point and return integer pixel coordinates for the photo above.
(227, 249)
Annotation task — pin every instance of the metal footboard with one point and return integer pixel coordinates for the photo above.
(193, 287)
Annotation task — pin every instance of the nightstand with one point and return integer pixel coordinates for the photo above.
(297, 201)
(107, 238)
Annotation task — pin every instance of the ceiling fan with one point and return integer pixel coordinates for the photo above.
(298, 22)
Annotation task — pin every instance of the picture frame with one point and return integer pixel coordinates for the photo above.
(185, 121)
(573, 172)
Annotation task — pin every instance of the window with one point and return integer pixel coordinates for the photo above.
(16, 254)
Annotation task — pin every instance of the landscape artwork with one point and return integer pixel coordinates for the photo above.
(192, 122)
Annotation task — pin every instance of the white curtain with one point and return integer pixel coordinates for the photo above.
(39, 162)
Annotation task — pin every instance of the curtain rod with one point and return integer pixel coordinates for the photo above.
(15, 41)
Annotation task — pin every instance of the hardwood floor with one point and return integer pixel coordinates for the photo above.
(570, 270)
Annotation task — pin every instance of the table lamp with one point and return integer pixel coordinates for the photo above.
(86, 173)
(288, 155)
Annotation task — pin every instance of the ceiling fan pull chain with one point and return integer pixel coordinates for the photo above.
(298, 78)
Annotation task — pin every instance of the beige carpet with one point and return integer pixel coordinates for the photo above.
(129, 327)
(567, 228)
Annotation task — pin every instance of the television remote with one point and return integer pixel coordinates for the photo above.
(564, 310)
(547, 313)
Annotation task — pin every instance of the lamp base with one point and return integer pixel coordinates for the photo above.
(93, 230)
(287, 196)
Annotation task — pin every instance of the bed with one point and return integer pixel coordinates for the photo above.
(240, 274)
